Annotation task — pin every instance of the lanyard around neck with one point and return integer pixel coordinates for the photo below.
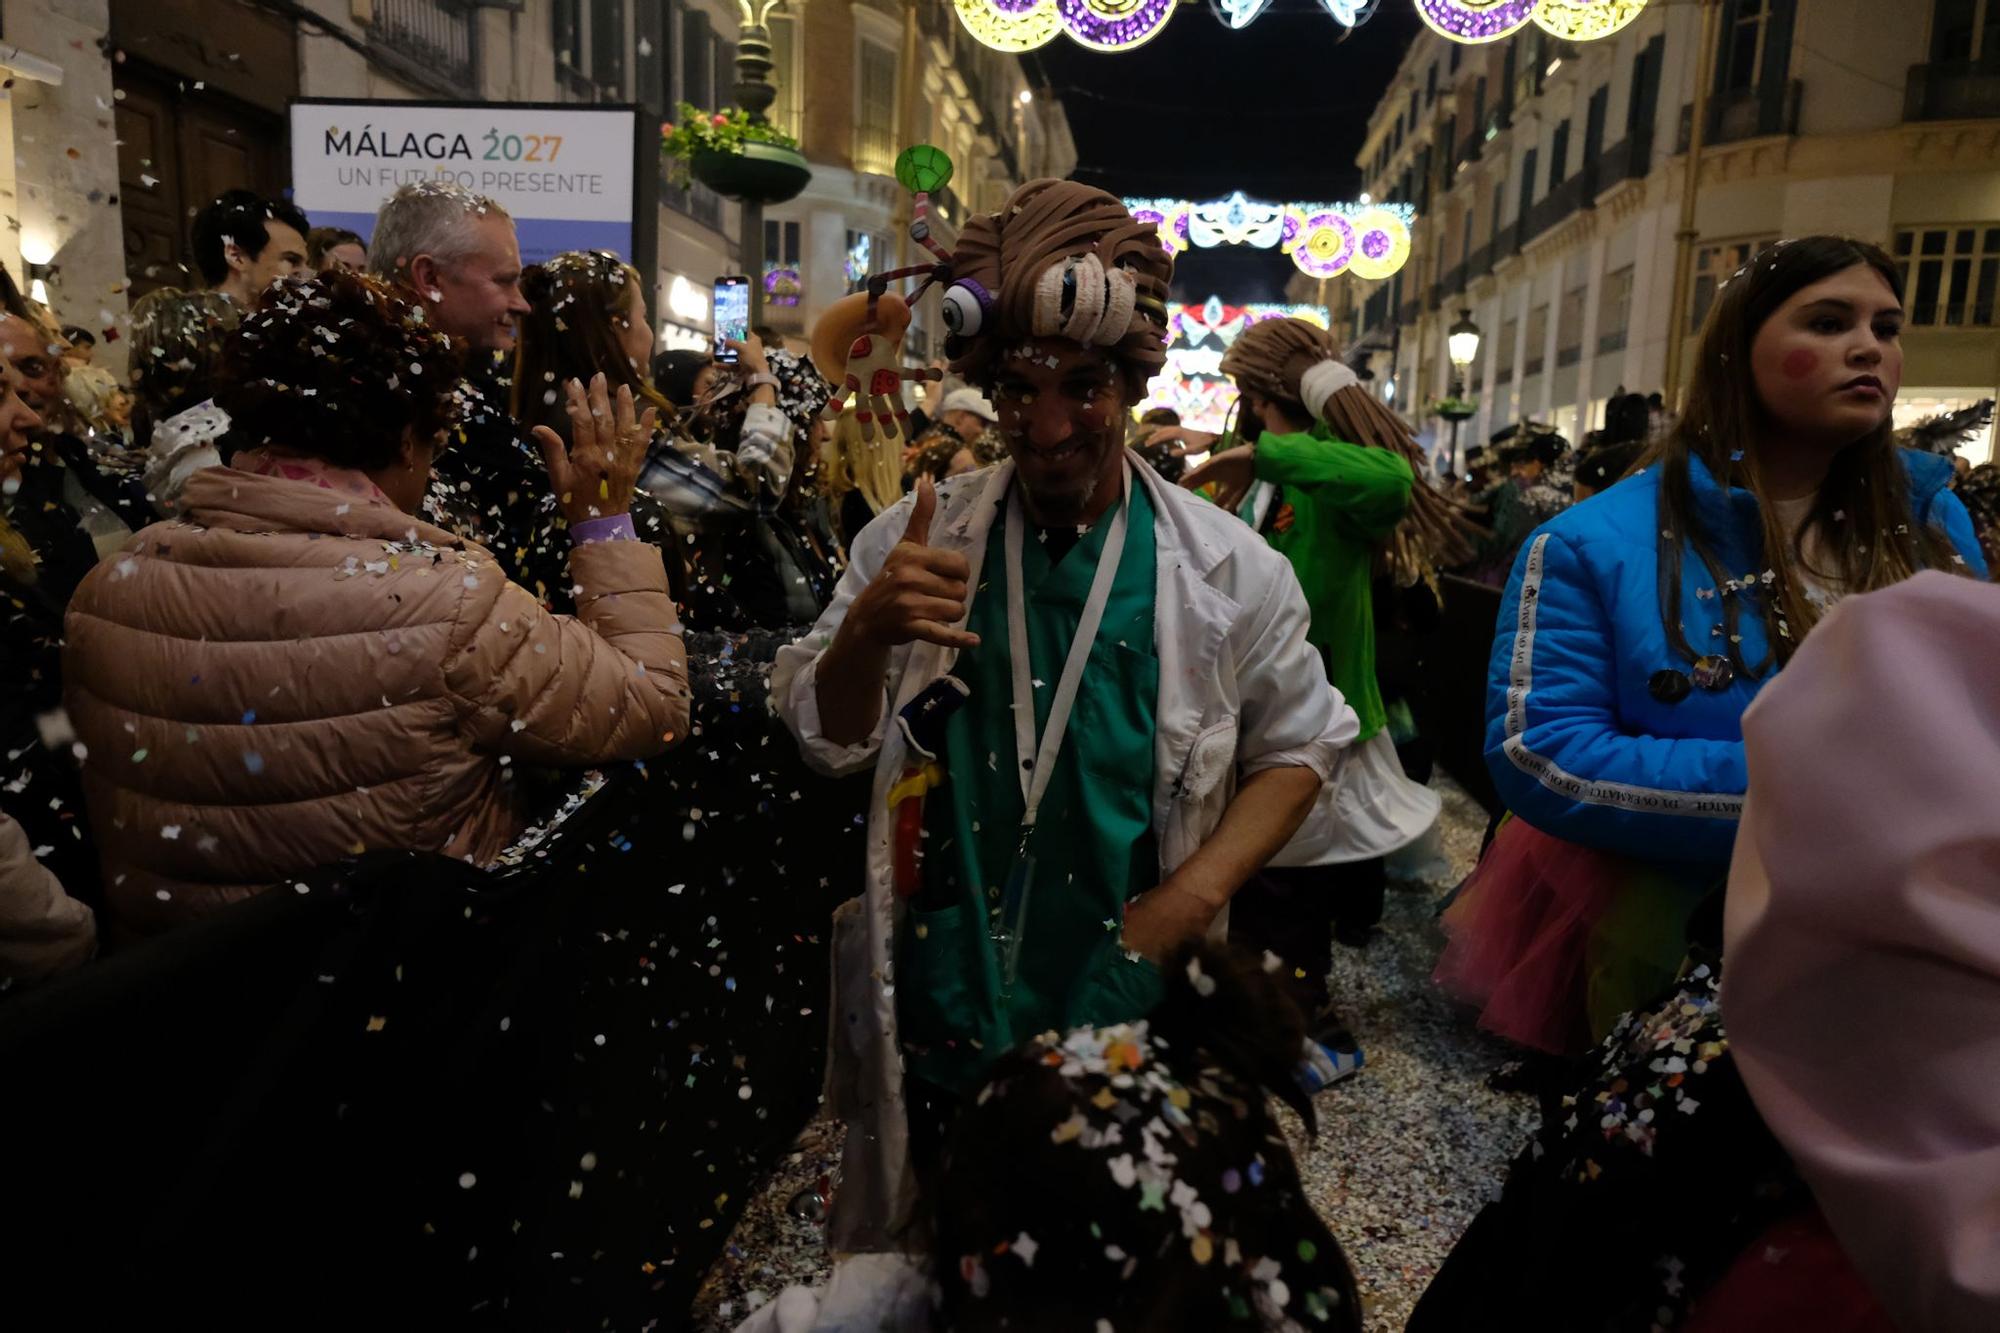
(1035, 764)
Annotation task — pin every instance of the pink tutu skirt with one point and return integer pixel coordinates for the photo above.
(1554, 941)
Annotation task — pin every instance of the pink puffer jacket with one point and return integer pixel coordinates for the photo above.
(290, 675)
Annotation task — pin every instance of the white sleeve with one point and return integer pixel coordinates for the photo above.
(794, 676)
(1291, 716)
(764, 448)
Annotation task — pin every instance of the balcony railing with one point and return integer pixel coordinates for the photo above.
(1481, 262)
(1753, 113)
(1613, 341)
(429, 42)
(1574, 193)
(696, 201)
(1568, 356)
(1957, 90)
(1628, 159)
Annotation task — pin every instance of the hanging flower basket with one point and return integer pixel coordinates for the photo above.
(734, 155)
(1455, 409)
(757, 173)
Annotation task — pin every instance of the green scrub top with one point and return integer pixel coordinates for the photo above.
(1093, 844)
(1346, 499)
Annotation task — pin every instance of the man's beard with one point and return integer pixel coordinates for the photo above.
(1067, 504)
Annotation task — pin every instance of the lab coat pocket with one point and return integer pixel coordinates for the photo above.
(1201, 793)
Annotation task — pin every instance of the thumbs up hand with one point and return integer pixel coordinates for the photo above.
(921, 591)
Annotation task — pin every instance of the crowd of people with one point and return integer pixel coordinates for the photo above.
(379, 530)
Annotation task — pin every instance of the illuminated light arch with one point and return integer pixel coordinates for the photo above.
(1192, 382)
(1240, 14)
(1474, 21)
(1323, 240)
(1010, 25)
(1114, 25)
(1381, 245)
(1101, 25)
(1585, 20)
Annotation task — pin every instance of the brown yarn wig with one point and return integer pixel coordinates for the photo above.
(1272, 358)
(1043, 224)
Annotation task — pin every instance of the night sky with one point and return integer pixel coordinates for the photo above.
(1277, 110)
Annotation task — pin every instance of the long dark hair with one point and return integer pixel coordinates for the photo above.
(570, 333)
(1861, 518)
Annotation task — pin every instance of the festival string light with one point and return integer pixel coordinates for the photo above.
(1101, 25)
(1370, 241)
(1119, 25)
(1475, 21)
(1240, 14)
(1585, 20)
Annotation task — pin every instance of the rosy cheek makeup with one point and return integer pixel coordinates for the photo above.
(1799, 363)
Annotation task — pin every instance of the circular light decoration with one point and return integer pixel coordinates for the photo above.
(1325, 245)
(1473, 21)
(1010, 25)
(1381, 245)
(1169, 218)
(1585, 20)
(1114, 25)
(923, 168)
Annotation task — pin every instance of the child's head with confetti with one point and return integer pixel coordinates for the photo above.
(1134, 1177)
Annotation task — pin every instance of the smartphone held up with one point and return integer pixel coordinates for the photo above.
(732, 315)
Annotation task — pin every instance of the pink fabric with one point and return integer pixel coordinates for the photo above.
(1862, 977)
(1518, 937)
(313, 471)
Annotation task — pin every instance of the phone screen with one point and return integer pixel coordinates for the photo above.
(732, 315)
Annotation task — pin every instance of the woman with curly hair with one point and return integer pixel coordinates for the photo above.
(302, 669)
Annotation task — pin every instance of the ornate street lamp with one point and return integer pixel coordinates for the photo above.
(1461, 343)
(757, 173)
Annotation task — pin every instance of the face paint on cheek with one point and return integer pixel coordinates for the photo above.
(1799, 363)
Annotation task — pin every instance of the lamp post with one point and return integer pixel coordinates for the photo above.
(1685, 235)
(761, 173)
(1462, 346)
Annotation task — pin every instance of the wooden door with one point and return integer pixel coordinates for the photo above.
(177, 151)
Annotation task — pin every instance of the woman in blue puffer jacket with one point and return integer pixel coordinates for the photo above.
(1638, 626)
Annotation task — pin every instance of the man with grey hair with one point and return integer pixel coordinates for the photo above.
(456, 250)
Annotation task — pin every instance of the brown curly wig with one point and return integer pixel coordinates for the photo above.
(1042, 224)
(340, 367)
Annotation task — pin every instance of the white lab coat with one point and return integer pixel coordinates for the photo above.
(1240, 691)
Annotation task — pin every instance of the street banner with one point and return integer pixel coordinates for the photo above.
(565, 172)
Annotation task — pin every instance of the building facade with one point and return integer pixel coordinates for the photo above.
(1548, 180)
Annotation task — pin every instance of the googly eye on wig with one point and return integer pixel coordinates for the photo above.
(967, 308)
